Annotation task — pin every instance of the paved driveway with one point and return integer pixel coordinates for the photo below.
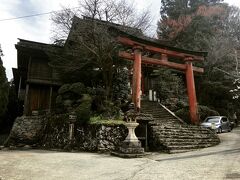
(219, 162)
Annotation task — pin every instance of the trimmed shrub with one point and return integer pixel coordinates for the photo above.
(64, 88)
(111, 111)
(203, 111)
(78, 88)
(184, 114)
(83, 111)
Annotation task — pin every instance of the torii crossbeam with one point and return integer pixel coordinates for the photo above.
(138, 45)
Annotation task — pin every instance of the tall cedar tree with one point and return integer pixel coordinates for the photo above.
(187, 23)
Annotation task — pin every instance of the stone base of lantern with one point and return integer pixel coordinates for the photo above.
(131, 146)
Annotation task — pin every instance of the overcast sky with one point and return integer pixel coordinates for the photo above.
(39, 28)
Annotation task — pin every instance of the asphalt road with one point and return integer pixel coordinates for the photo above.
(219, 162)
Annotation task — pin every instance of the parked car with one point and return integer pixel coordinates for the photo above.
(218, 123)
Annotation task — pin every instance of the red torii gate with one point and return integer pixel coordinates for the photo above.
(139, 45)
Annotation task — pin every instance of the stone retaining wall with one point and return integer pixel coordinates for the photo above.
(54, 134)
(87, 138)
(27, 130)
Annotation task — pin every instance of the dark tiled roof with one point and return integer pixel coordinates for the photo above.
(81, 24)
(131, 32)
(36, 45)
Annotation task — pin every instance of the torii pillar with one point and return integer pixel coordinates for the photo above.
(193, 110)
(136, 88)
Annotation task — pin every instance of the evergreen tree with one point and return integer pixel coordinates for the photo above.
(170, 88)
(210, 26)
(188, 23)
(3, 88)
(173, 9)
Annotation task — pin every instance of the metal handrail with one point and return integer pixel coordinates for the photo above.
(172, 113)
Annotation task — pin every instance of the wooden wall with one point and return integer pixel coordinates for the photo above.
(39, 69)
(38, 98)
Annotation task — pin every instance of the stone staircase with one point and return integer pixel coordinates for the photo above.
(170, 134)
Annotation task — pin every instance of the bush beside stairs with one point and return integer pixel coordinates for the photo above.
(171, 134)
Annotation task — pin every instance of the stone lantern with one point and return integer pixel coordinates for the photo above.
(72, 120)
(131, 146)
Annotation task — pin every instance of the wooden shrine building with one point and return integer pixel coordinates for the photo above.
(35, 80)
(37, 83)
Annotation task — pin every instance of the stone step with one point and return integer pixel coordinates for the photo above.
(181, 136)
(183, 127)
(162, 139)
(156, 112)
(189, 141)
(157, 115)
(190, 146)
(162, 116)
(153, 109)
(185, 135)
(160, 120)
(147, 103)
(177, 131)
(157, 118)
(178, 128)
(172, 135)
(193, 143)
(187, 147)
(164, 123)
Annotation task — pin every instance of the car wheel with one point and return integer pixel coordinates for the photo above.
(229, 129)
(219, 130)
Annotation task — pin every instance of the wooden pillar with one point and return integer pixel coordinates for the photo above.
(50, 99)
(19, 86)
(136, 88)
(26, 110)
(26, 102)
(191, 93)
(142, 83)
